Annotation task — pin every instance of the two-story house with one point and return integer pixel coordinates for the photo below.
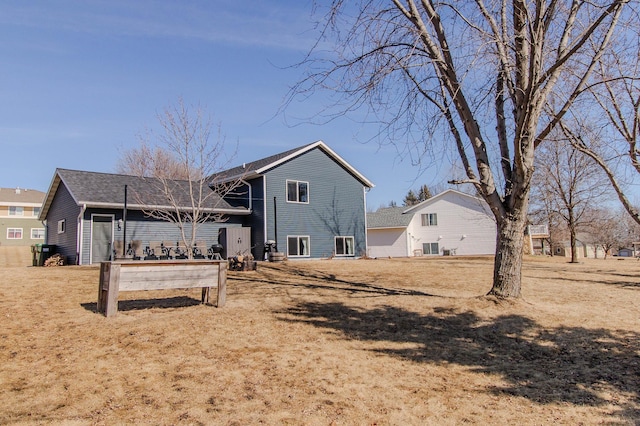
(19, 210)
(450, 223)
(308, 201)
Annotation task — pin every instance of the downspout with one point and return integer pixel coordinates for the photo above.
(79, 235)
(366, 234)
(264, 208)
(250, 194)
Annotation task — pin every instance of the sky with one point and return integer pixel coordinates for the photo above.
(80, 81)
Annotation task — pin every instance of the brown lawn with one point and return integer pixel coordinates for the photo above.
(384, 342)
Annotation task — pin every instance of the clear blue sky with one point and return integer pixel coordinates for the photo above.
(79, 80)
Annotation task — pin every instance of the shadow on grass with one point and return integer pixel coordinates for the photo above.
(140, 304)
(290, 276)
(566, 364)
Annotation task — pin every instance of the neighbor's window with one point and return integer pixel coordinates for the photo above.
(37, 233)
(297, 245)
(36, 211)
(430, 219)
(62, 226)
(344, 246)
(297, 191)
(430, 248)
(16, 211)
(14, 233)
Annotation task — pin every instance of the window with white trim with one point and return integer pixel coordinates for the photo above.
(297, 191)
(62, 226)
(16, 211)
(36, 211)
(14, 233)
(298, 246)
(430, 248)
(344, 246)
(430, 219)
(37, 233)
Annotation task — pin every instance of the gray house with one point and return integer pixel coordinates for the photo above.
(307, 201)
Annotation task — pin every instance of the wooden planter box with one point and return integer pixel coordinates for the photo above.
(158, 275)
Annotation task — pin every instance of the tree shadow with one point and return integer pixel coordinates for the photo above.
(141, 304)
(317, 280)
(565, 364)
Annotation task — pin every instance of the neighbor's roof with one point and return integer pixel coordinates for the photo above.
(256, 168)
(21, 197)
(105, 190)
(389, 217)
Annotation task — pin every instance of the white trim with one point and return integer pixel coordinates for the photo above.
(299, 255)
(14, 229)
(323, 146)
(264, 211)
(297, 182)
(31, 233)
(344, 237)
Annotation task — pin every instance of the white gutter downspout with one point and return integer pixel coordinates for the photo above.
(366, 234)
(264, 208)
(79, 235)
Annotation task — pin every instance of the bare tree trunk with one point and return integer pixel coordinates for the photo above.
(574, 251)
(507, 276)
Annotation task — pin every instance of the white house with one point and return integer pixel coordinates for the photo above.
(450, 223)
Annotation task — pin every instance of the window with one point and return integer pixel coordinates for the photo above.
(297, 246)
(16, 211)
(14, 233)
(430, 219)
(344, 246)
(430, 248)
(297, 192)
(36, 211)
(61, 226)
(37, 233)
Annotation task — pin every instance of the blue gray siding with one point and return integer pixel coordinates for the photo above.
(146, 229)
(336, 204)
(63, 207)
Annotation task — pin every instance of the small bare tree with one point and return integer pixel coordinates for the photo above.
(570, 184)
(181, 170)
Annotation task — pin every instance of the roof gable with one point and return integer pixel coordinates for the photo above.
(449, 193)
(259, 167)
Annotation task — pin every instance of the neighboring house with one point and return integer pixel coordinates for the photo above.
(19, 210)
(450, 223)
(308, 200)
(584, 250)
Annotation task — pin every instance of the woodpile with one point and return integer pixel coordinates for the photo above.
(55, 260)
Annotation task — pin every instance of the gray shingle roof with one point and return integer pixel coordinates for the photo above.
(389, 217)
(107, 190)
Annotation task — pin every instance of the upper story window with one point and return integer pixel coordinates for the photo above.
(430, 219)
(62, 226)
(297, 191)
(14, 233)
(36, 211)
(16, 211)
(37, 233)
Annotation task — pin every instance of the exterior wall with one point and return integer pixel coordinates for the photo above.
(465, 226)
(336, 205)
(145, 230)
(27, 222)
(64, 208)
(256, 220)
(387, 243)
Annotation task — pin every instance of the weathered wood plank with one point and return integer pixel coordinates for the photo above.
(158, 275)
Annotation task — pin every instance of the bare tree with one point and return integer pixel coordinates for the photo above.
(477, 76)
(571, 184)
(181, 170)
(615, 95)
(149, 161)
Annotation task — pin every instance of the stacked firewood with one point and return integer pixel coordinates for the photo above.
(55, 260)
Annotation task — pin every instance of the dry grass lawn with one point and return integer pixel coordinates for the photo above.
(384, 342)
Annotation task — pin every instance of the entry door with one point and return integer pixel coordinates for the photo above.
(101, 237)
